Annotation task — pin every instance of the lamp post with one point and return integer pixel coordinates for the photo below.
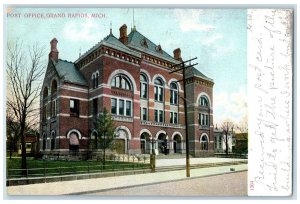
(152, 156)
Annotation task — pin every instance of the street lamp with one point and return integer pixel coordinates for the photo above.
(152, 156)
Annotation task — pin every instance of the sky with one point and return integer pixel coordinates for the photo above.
(218, 38)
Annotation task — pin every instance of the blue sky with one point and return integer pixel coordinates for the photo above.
(217, 37)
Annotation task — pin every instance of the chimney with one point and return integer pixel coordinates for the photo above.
(53, 52)
(123, 34)
(177, 54)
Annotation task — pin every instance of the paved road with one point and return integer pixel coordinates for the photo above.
(231, 184)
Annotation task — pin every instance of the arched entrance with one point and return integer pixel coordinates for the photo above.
(123, 137)
(145, 143)
(162, 142)
(177, 144)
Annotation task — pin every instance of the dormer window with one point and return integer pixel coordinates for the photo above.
(158, 49)
(144, 43)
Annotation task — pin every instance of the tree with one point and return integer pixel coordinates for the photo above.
(227, 127)
(105, 128)
(24, 72)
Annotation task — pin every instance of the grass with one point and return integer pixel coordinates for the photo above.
(37, 168)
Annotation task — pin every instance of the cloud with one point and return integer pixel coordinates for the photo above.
(211, 39)
(84, 31)
(189, 20)
(232, 106)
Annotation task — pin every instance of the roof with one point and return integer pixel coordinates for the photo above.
(113, 42)
(195, 72)
(136, 39)
(69, 72)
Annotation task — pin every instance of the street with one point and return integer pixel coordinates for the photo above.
(230, 184)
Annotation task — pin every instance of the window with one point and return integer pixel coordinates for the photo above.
(144, 114)
(204, 142)
(95, 106)
(53, 108)
(97, 80)
(74, 107)
(159, 116)
(113, 106)
(173, 117)
(143, 86)
(121, 81)
(52, 141)
(203, 101)
(158, 90)
(128, 108)
(121, 107)
(203, 119)
(173, 94)
(53, 87)
(44, 112)
(45, 93)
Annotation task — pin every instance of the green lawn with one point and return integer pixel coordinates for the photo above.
(51, 168)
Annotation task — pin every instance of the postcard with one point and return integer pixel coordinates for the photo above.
(159, 102)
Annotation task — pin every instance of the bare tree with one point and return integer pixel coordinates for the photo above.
(227, 128)
(24, 71)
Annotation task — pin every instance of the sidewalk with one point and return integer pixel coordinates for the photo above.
(108, 183)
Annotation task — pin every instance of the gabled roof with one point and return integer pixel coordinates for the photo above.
(138, 41)
(192, 71)
(69, 72)
(113, 42)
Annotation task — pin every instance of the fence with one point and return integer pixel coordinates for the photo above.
(70, 170)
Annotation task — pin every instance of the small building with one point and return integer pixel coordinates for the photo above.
(220, 141)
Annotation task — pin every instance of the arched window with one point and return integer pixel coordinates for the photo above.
(74, 141)
(93, 81)
(203, 101)
(45, 92)
(122, 82)
(53, 87)
(173, 93)
(204, 142)
(159, 89)
(143, 86)
(97, 80)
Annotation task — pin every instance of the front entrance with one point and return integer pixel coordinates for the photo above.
(120, 146)
(162, 143)
(145, 143)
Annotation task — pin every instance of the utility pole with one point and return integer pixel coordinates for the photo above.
(187, 145)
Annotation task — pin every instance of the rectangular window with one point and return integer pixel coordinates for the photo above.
(144, 114)
(121, 107)
(156, 93)
(113, 106)
(161, 94)
(52, 108)
(171, 117)
(74, 107)
(175, 118)
(156, 115)
(95, 106)
(143, 90)
(44, 112)
(128, 108)
(161, 116)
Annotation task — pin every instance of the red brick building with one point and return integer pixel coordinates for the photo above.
(129, 76)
